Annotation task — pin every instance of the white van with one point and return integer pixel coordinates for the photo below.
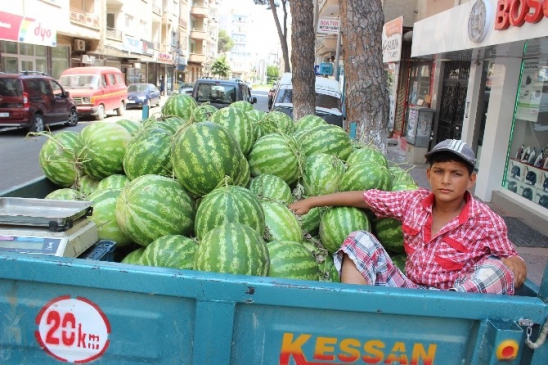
(328, 98)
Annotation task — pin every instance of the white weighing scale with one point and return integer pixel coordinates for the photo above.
(50, 227)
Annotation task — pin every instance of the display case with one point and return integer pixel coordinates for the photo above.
(527, 165)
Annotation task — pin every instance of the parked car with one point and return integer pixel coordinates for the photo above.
(328, 99)
(221, 93)
(137, 94)
(96, 90)
(186, 88)
(34, 100)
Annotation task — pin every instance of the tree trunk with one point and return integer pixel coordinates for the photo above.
(366, 88)
(302, 58)
(282, 33)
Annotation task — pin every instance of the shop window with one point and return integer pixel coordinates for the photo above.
(9, 47)
(419, 83)
(527, 166)
(26, 49)
(10, 65)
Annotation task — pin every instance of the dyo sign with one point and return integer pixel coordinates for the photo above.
(517, 12)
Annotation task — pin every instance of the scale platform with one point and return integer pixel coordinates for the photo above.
(43, 226)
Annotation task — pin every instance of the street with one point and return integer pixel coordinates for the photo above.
(19, 153)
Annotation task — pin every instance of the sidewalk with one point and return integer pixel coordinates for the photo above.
(520, 234)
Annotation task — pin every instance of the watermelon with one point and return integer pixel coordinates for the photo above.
(86, 185)
(400, 186)
(116, 181)
(57, 158)
(291, 260)
(309, 121)
(275, 122)
(204, 155)
(390, 234)
(179, 105)
(365, 176)
(243, 105)
(131, 126)
(271, 187)
(369, 155)
(65, 194)
(233, 248)
(281, 223)
(338, 222)
(236, 121)
(328, 270)
(174, 251)
(135, 257)
(322, 174)
(153, 206)
(149, 152)
(104, 216)
(276, 154)
(255, 115)
(170, 124)
(310, 222)
(102, 149)
(399, 261)
(401, 176)
(229, 204)
(330, 139)
(203, 113)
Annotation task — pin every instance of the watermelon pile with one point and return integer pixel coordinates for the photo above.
(205, 189)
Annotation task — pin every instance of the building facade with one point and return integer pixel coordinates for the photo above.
(149, 40)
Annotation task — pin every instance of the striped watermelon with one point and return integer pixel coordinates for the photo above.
(291, 260)
(65, 194)
(310, 222)
(149, 152)
(390, 234)
(399, 261)
(275, 122)
(281, 223)
(102, 149)
(57, 158)
(135, 257)
(229, 204)
(233, 248)
(400, 176)
(153, 206)
(116, 181)
(179, 105)
(170, 124)
(243, 174)
(203, 113)
(369, 155)
(131, 126)
(86, 185)
(255, 115)
(330, 139)
(329, 272)
(364, 176)
(150, 121)
(174, 251)
(236, 121)
(322, 174)
(271, 187)
(338, 222)
(309, 121)
(276, 154)
(104, 216)
(400, 186)
(243, 105)
(203, 155)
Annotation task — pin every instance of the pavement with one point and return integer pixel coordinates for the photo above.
(521, 235)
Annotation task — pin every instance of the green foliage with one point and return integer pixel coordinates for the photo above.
(225, 43)
(272, 73)
(220, 67)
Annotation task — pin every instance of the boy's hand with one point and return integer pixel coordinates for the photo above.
(300, 207)
(518, 267)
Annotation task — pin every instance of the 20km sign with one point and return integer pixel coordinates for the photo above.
(72, 330)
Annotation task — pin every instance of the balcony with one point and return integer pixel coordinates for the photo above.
(197, 58)
(328, 8)
(114, 34)
(156, 9)
(199, 11)
(84, 19)
(198, 34)
(326, 45)
(157, 45)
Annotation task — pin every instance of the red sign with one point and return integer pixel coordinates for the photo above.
(17, 28)
(517, 12)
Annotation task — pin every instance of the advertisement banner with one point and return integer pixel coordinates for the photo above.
(133, 45)
(392, 40)
(16, 28)
(328, 25)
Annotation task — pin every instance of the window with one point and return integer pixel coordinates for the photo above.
(119, 79)
(111, 21)
(57, 90)
(129, 21)
(111, 79)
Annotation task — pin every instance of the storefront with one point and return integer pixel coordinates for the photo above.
(506, 104)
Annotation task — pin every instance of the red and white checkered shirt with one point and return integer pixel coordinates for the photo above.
(437, 261)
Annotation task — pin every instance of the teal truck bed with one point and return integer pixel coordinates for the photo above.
(55, 310)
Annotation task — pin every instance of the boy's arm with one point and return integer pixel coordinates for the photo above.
(342, 199)
(518, 267)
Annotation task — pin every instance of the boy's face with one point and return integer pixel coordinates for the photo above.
(449, 180)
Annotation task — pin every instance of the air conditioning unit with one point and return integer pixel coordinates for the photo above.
(79, 45)
(88, 59)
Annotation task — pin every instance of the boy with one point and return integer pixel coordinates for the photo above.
(452, 241)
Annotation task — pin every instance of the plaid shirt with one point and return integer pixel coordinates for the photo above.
(474, 234)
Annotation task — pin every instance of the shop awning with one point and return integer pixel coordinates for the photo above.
(17, 28)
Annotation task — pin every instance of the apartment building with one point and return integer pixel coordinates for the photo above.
(146, 39)
(236, 22)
